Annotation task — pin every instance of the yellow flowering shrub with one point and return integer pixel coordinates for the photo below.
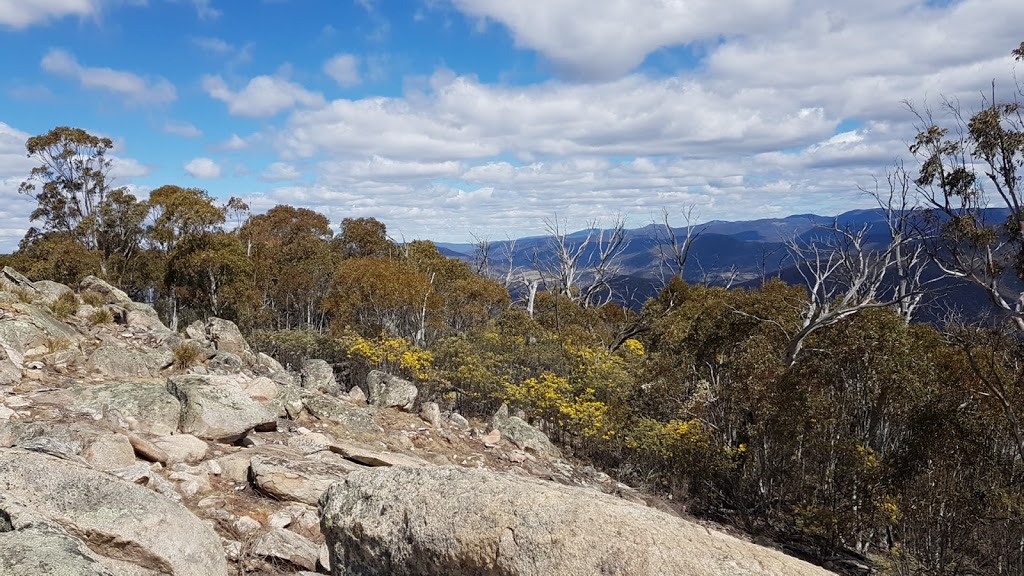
(394, 355)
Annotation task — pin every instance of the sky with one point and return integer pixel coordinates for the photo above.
(449, 119)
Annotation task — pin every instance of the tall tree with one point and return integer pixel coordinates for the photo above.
(70, 184)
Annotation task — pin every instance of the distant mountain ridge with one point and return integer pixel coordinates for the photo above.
(741, 252)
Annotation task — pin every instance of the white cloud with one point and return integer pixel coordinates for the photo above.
(263, 96)
(610, 38)
(183, 129)
(203, 168)
(21, 13)
(280, 172)
(131, 86)
(124, 169)
(344, 69)
(205, 10)
(214, 45)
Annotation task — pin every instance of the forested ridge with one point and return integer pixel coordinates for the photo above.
(819, 415)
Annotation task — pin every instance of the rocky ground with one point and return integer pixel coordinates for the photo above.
(126, 448)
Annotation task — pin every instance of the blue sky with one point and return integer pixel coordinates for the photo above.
(448, 118)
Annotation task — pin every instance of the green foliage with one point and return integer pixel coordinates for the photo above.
(70, 182)
(65, 306)
(293, 347)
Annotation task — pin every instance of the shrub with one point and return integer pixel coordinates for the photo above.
(57, 344)
(186, 354)
(101, 316)
(94, 299)
(24, 295)
(66, 305)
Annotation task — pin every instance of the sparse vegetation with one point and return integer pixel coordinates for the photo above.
(817, 415)
(65, 306)
(56, 344)
(186, 355)
(94, 299)
(101, 316)
(25, 296)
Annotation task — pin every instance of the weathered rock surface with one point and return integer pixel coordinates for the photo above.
(110, 294)
(283, 545)
(296, 480)
(122, 362)
(354, 418)
(526, 437)
(142, 406)
(40, 548)
(226, 337)
(119, 521)
(387, 390)
(318, 375)
(215, 410)
(392, 521)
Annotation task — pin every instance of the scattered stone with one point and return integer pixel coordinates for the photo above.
(182, 448)
(224, 363)
(354, 418)
(296, 480)
(145, 407)
(458, 420)
(491, 439)
(284, 545)
(387, 390)
(121, 362)
(368, 457)
(147, 450)
(357, 396)
(226, 337)
(246, 525)
(524, 436)
(216, 411)
(309, 443)
(268, 364)
(318, 375)
(430, 412)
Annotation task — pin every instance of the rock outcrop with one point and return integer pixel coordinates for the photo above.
(130, 450)
(395, 521)
(389, 391)
(120, 522)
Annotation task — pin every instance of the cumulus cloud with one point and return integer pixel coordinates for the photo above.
(183, 129)
(21, 14)
(203, 168)
(601, 40)
(131, 86)
(280, 172)
(262, 97)
(344, 69)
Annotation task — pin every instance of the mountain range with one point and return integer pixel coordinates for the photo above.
(741, 253)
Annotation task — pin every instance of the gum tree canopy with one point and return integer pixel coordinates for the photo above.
(70, 184)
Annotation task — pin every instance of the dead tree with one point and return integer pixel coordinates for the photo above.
(909, 239)
(673, 247)
(843, 277)
(582, 268)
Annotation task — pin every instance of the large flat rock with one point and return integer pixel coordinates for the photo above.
(216, 409)
(459, 522)
(117, 520)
